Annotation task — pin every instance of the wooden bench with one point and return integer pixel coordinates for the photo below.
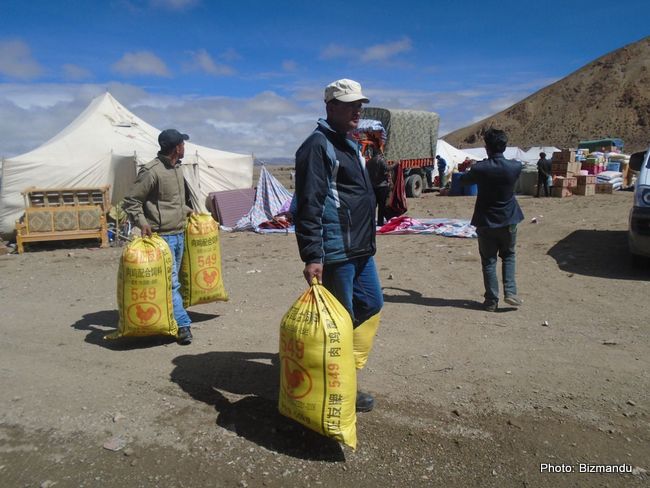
(55, 214)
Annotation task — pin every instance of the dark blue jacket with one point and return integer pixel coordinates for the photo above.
(335, 217)
(496, 205)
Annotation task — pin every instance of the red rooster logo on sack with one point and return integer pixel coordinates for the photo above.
(209, 277)
(144, 315)
(297, 382)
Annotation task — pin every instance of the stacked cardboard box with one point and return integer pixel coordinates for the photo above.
(586, 180)
(585, 190)
(564, 156)
(586, 185)
(565, 169)
(564, 163)
(560, 191)
(565, 182)
(606, 188)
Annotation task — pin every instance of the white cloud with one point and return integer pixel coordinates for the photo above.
(202, 61)
(229, 55)
(378, 53)
(385, 52)
(16, 61)
(75, 73)
(174, 4)
(268, 124)
(141, 63)
(289, 65)
(335, 51)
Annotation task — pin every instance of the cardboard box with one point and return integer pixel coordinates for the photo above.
(564, 156)
(604, 188)
(560, 192)
(565, 182)
(584, 190)
(565, 169)
(583, 180)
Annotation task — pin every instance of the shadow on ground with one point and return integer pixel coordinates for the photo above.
(99, 324)
(599, 253)
(416, 298)
(210, 376)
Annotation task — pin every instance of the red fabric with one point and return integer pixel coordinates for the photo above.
(397, 202)
(396, 223)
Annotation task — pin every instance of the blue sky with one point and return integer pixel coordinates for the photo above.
(248, 76)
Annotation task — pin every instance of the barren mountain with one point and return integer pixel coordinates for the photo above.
(609, 97)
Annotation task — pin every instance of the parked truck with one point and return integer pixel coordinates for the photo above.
(410, 138)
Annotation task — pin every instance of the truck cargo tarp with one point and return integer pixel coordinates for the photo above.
(412, 134)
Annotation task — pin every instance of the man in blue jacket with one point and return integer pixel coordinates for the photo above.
(335, 211)
(496, 215)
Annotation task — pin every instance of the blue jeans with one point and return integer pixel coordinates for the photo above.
(501, 241)
(176, 243)
(356, 285)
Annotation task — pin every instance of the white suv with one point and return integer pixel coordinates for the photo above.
(639, 229)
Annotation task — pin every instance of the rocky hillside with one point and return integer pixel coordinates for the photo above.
(609, 97)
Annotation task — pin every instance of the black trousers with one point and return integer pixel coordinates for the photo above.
(542, 180)
(381, 195)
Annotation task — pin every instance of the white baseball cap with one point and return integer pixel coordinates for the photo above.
(345, 91)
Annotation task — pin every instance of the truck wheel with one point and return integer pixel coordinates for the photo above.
(413, 186)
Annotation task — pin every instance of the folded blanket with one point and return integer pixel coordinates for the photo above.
(442, 227)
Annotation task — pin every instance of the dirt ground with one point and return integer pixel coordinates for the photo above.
(465, 398)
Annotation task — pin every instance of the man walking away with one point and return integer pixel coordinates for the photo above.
(496, 215)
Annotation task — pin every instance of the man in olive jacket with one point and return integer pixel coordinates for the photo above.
(157, 203)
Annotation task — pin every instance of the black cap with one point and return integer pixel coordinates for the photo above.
(170, 138)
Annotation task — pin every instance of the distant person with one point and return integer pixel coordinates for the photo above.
(335, 211)
(379, 173)
(156, 203)
(496, 215)
(442, 169)
(543, 174)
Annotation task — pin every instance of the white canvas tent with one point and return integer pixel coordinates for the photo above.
(452, 155)
(511, 152)
(532, 155)
(477, 153)
(105, 145)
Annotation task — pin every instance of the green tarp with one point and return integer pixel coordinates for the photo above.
(412, 134)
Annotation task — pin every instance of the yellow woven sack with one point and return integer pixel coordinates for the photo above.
(144, 289)
(364, 336)
(318, 380)
(200, 275)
